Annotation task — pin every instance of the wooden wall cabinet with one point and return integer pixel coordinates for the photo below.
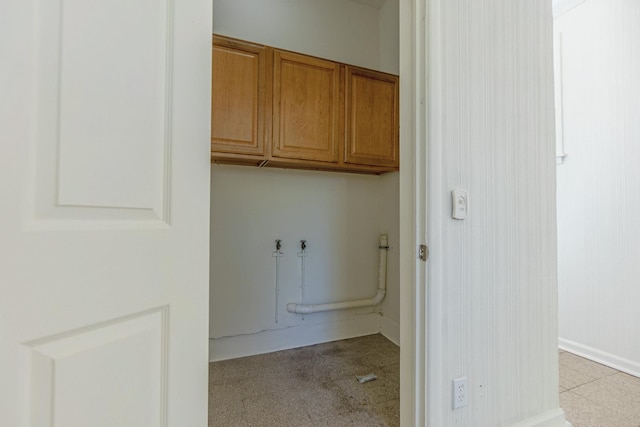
(306, 107)
(271, 107)
(239, 97)
(371, 112)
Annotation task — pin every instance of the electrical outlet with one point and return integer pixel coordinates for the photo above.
(460, 396)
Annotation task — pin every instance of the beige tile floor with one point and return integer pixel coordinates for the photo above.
(309, 386)
(316, 386)
(593, 395)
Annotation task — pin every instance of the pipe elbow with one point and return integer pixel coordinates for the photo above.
(377, 299)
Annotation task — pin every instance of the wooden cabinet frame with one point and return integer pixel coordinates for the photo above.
(240, 100)
(312, 113)
(371, 118)
(306, 107)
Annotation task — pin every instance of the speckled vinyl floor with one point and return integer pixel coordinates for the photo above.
(594, 395)
(309, 386)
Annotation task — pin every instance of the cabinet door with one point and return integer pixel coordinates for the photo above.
(371, 120)
(238, 96)
(306, 104)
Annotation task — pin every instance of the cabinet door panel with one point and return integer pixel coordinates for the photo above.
(239, 84)
(371, 118)
(306, 107)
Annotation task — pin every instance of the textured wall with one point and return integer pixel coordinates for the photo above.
(389, 217)
(340, 215)
(340, 30)
(599, 183)
(492, 278)
(389, 37)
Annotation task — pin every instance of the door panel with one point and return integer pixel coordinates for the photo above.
(306, 107)
(104, 178)
(371, 118)
(99, 79)
(115, 371)
(88, 70)
(240, 89)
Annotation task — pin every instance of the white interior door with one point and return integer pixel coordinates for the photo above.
(104, 212)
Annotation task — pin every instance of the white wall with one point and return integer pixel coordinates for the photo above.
(390, 37)
(340, 215)
(492, 277)
(390, 222)
(340, 30)
(599, 183)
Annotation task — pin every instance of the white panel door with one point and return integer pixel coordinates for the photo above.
(104, 212)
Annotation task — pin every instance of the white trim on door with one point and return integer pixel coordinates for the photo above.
(413, 208)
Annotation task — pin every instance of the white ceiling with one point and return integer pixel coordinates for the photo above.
(377, 4)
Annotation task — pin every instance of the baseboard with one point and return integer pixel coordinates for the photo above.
(553, 418)
(621, 364)
(390, 329)
(292, 337)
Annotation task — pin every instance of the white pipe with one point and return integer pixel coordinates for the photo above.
(302, 254)
(376, 299)
(277, 254)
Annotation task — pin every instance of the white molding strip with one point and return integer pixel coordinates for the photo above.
(554, 418)
(292, 337)
(558, 96)
(390, 329)
(616, 362)
(561, 7)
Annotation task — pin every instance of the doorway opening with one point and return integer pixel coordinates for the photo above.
(598, 192)
(339, 216)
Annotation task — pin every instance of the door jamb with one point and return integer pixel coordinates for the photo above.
(413, 212)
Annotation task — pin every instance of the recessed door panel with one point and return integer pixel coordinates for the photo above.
(306, 107)
(239, 90)
(371, 118)
(102, 99)
(108, 374)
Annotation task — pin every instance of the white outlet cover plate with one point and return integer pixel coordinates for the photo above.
(460, 392)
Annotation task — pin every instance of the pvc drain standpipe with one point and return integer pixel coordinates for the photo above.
(383, 247)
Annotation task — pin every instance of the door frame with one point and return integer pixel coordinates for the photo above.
(413, 42)
(413, 211)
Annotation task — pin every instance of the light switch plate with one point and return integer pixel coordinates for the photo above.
(459, 204)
